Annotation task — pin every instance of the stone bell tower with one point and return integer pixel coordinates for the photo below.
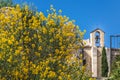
(97, 38)
(97, 43)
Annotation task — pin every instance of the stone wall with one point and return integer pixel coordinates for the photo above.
(99, 56)
(94, 61)
(108, 59)
(115, 52)
(111, 54)
(87, 57)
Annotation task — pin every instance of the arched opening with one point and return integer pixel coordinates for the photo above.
(97, 39)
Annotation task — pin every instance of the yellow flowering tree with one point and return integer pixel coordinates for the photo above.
(35, 46)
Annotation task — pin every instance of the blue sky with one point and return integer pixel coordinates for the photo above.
(88, 14)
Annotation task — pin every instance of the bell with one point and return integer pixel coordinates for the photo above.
(97, 38)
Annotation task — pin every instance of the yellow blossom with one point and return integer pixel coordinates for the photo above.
(51, 74)
(44, 30)
(60, 78)
(57, 51)
(33, 45)
(25, 70)
(40, 48)
(10, 42)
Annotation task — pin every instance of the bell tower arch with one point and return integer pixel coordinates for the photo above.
(97, 38)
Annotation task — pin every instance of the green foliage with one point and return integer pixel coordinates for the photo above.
(115, 74)
(4, 3)
(104, 63)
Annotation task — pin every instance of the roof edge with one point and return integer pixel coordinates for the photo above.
(97, 29)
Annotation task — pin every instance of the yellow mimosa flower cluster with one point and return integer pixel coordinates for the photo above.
(38, 47)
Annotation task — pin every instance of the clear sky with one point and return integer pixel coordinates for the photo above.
(88, 14)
